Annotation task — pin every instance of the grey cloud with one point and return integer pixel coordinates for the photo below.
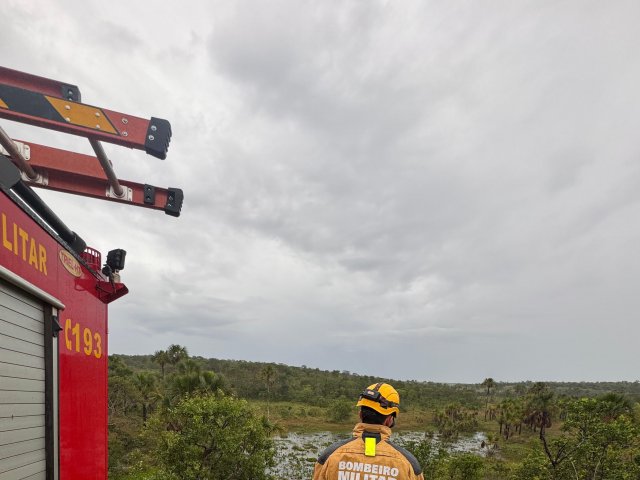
(456, 183)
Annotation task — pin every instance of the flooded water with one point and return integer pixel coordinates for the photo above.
(297, 452)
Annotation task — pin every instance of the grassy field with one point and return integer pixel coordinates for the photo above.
(302, 418)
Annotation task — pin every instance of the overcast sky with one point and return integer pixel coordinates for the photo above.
(422, 190)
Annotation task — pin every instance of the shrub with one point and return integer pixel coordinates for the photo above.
(212, 437)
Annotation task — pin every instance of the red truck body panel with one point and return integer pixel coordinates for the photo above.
(28, 250)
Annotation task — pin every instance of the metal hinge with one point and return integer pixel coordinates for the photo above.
(55, 325)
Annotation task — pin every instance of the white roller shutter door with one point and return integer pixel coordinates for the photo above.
(22, 385)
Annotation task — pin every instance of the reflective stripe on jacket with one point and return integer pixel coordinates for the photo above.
(346, 460)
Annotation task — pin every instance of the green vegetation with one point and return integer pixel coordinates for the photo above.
(184, 425)
(173, 417)
(438, 464)
(211, 436)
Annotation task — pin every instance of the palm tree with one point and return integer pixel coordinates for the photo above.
(177, 353)
(539, 407)
(161, 357)
(145, 384)
(490, 411)
(510, 417)
(488, 383)
(189, 366)
(190, 379)
(268, 375)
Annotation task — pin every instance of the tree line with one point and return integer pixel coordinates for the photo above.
(313, 386)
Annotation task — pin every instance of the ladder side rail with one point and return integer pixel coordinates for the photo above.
(34, 108)
(81, 174)
(43, 85)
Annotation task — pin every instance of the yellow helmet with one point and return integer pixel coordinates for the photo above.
(382, 397)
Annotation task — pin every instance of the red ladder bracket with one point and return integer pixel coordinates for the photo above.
(40, 101)
(81, 174)
(108, 292)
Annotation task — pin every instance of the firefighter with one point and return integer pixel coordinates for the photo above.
(369, 455)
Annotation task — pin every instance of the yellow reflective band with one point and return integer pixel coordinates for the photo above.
(370, 447)
(82, 115)
(3, 105)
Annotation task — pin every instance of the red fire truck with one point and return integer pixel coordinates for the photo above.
(54, 290)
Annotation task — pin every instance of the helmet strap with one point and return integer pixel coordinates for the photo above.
(390, 423)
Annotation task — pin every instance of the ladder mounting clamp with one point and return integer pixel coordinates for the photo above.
(127, 193)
